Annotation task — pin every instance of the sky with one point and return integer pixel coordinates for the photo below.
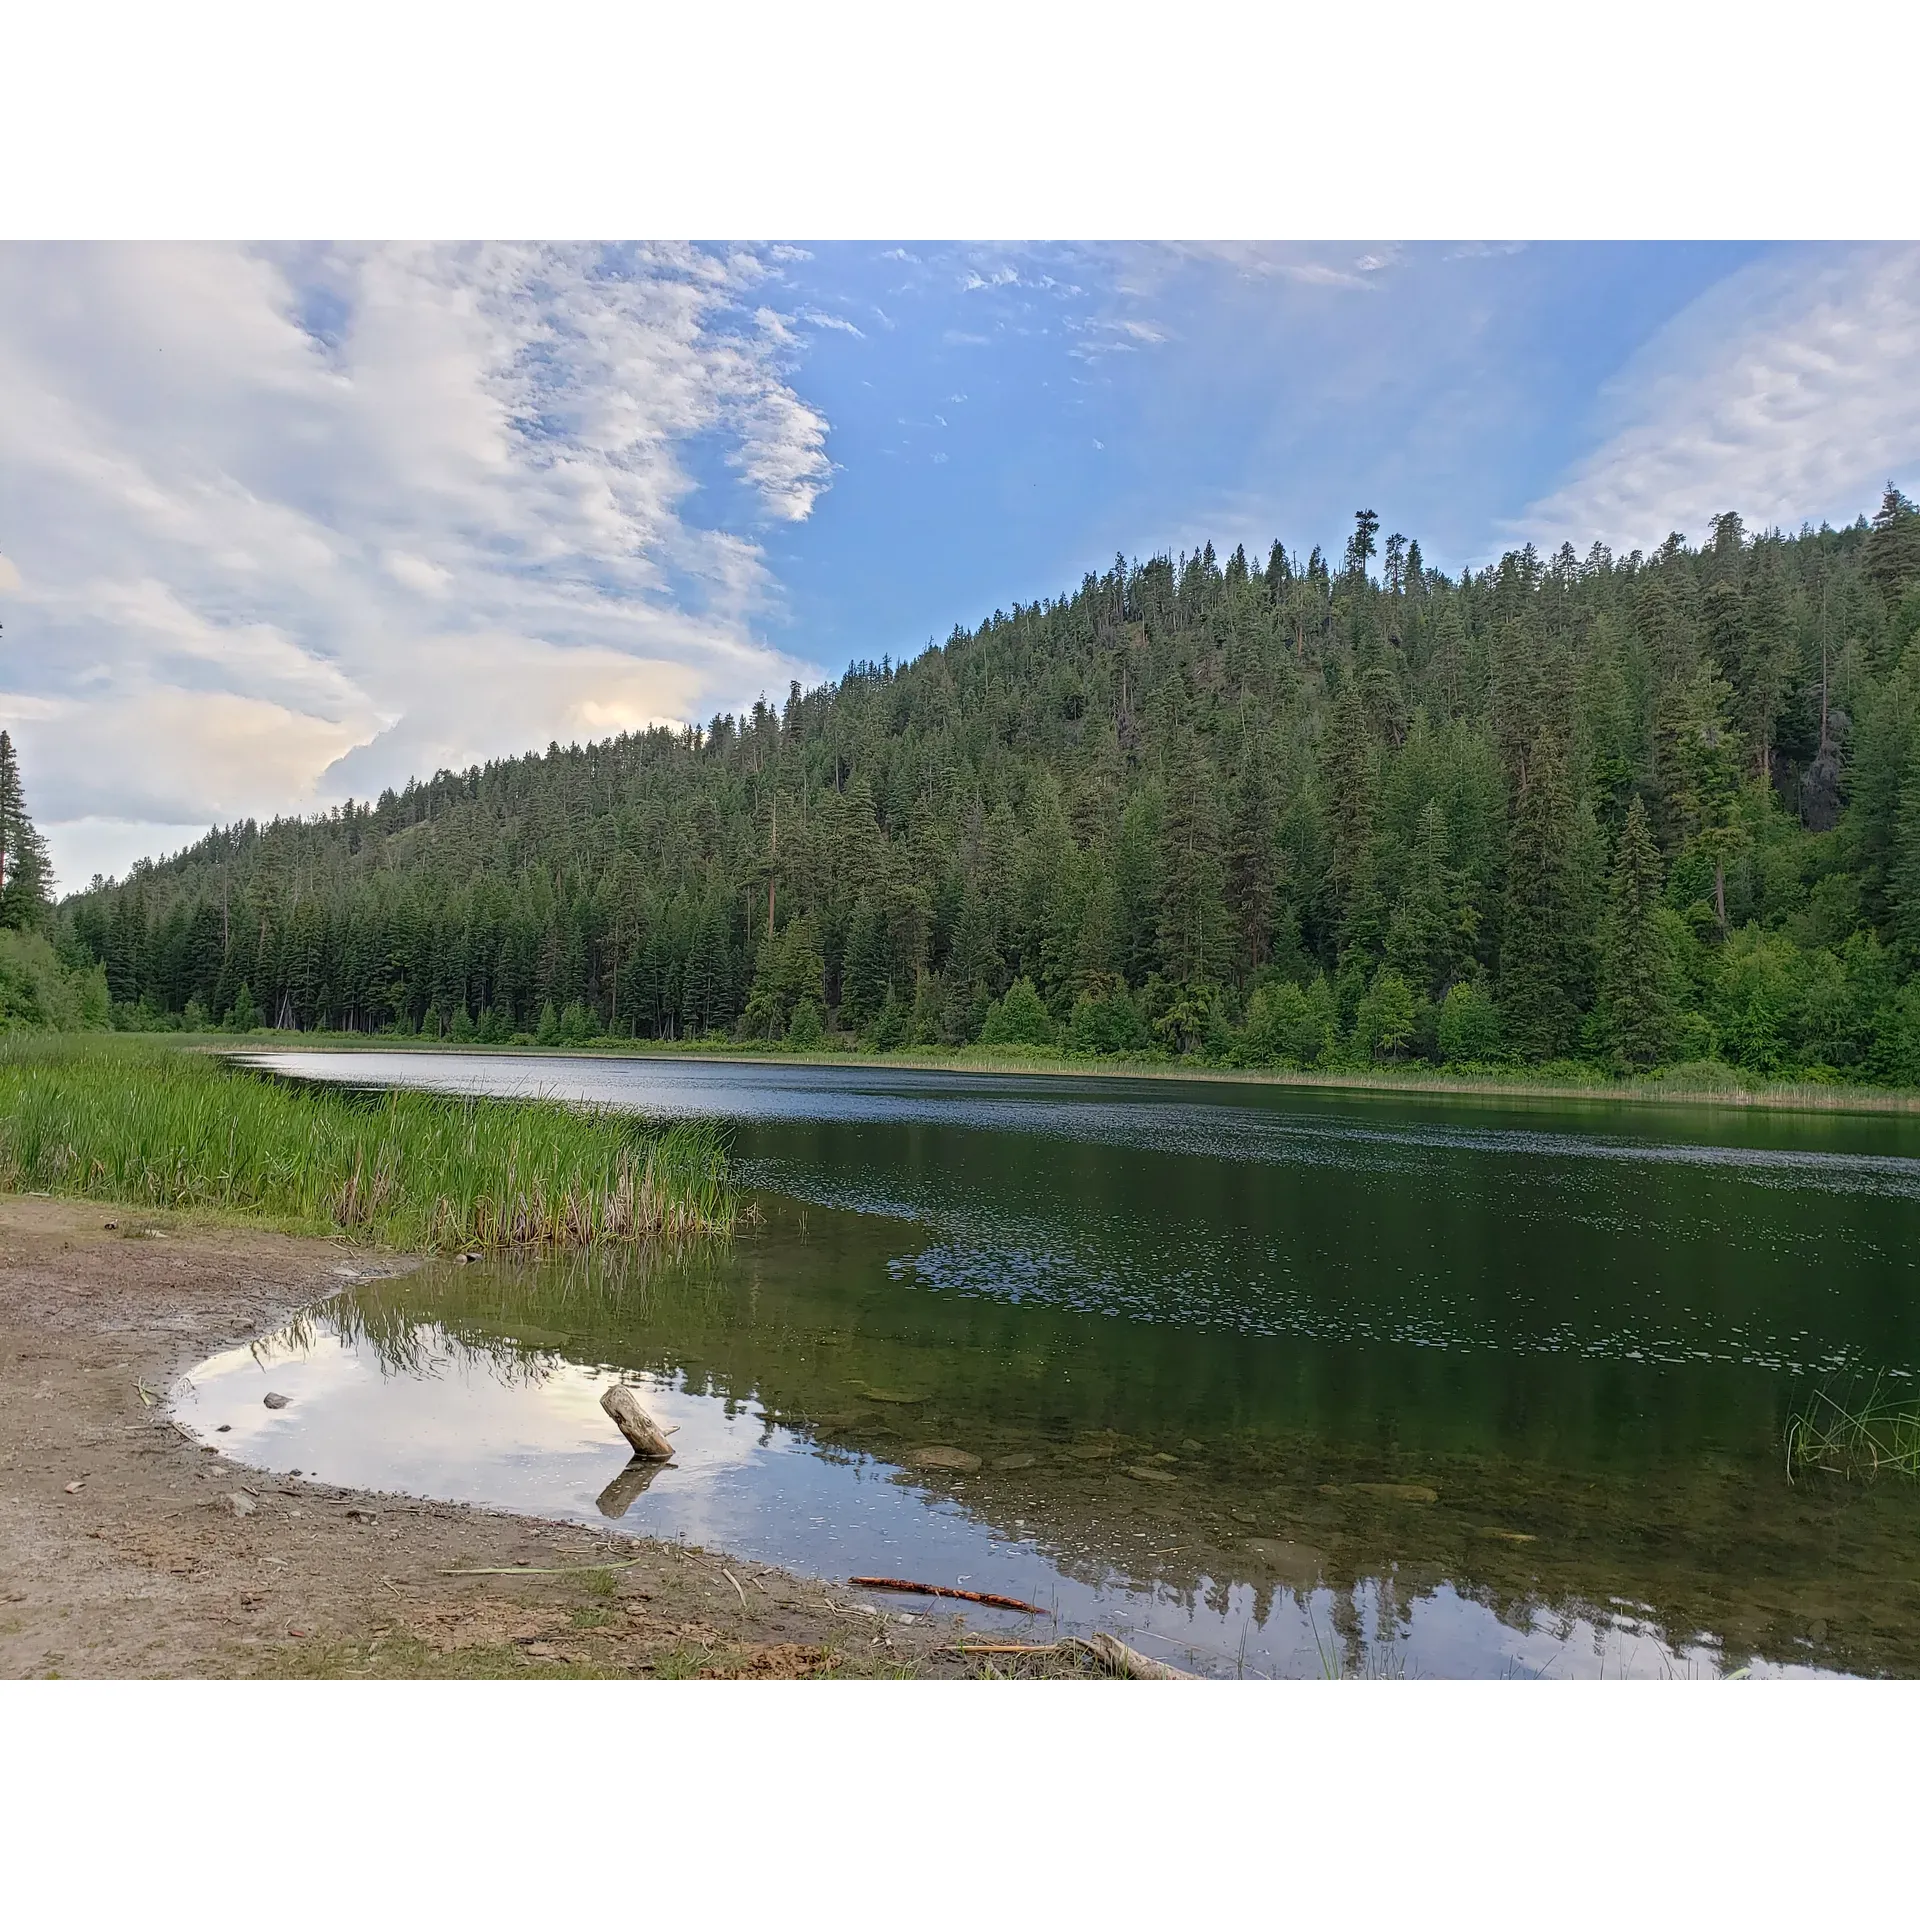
(282, 525)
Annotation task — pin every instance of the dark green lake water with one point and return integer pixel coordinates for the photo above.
(1279, 1379)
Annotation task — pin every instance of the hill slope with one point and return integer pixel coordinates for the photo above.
(1637, 810)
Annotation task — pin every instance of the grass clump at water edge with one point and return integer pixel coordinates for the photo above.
(115, 1120)
(1858, 1437)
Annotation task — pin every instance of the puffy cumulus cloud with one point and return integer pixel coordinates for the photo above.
(1789, 391)
(286, 523)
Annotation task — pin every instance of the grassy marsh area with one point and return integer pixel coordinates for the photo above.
(124, 1120)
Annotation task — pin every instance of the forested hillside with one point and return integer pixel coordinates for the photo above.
(1631, 811)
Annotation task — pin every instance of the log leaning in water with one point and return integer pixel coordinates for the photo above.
(622, 1406)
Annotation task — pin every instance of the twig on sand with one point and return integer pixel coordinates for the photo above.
(944, 1593)
(738, 1588)
(603, 1566)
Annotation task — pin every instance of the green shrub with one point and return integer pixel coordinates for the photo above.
(1468, 1030)
(1107, 1021)
(1018, 1018)
(36, 991)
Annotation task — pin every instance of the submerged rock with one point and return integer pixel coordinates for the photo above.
(951, 1457)
(1014, 1462)
(896, 1396)
(1385, 1490)
(1297, 1566)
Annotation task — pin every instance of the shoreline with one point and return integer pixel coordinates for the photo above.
(1812, 1097)
(132, 1550)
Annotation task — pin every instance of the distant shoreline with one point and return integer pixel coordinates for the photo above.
(1780, 1096)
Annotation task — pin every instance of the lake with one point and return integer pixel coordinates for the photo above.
(1270, 1381)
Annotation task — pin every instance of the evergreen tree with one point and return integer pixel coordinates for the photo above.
(1194, 936)
(1903, 873)
(1253, 863)
(1635, 1005)
(1429, 935)
(1540, 974)
(1893, 546)
(26, 879)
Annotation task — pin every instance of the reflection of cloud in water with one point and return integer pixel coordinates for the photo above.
(533, 1439)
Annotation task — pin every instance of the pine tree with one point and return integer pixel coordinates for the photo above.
(1430, 932)
(1539, 965)
(1352, 782)
(1903, 868)
(867, 974)
(1893, 546)
(1253, 862)
(1634, 999)
(26, 879)
(1194, 935)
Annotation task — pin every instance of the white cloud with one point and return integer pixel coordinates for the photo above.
(288, 523)
(836, 322)
(1789, 391)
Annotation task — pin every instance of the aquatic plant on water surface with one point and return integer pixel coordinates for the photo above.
(145, 1125)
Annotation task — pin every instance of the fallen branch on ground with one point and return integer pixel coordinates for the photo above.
(603, 1566)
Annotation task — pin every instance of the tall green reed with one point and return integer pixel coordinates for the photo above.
(140, 1124)
(1857, 1431)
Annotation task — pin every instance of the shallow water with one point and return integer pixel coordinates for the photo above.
(1295, 1380)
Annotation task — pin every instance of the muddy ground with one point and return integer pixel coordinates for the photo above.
(128, 1550)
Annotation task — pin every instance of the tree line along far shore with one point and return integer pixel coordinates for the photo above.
(1625, 812)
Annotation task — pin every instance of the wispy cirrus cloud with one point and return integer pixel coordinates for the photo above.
(1789, 391)
(284, 523)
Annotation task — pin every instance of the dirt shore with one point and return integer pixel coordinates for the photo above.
(128, 1550)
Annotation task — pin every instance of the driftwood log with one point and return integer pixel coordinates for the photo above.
(1113, 1657)
(1122, 1661)
(622, 1406)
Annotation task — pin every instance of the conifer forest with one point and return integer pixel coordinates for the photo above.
(1272, 810)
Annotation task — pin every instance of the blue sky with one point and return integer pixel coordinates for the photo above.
(1003, 422)
(282, 524)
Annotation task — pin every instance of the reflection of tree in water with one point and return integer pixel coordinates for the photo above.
(520, 1320)
(1206, 1495)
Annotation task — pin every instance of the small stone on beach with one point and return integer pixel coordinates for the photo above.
(275, 1401)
